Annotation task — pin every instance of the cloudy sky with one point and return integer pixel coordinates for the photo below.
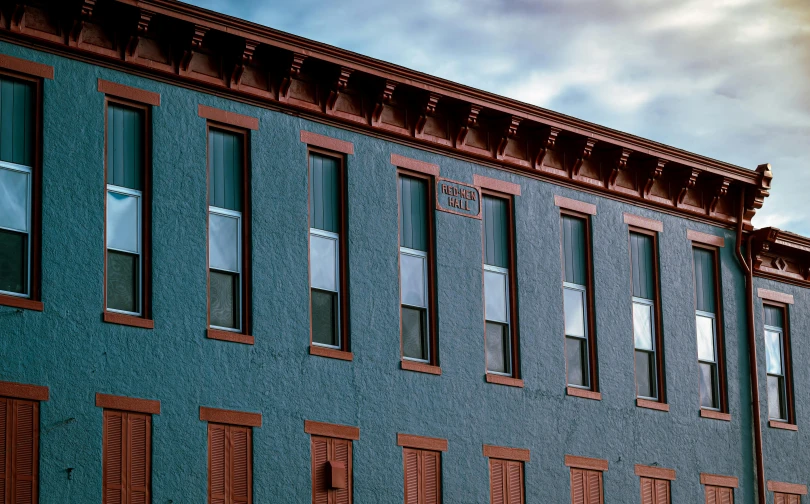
(729, 79)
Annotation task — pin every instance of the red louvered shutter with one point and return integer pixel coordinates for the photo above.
(711, 495)
(411, 475)
(114, 450)
(594, 487)
(140, 428)
(647, 491)
(320, 455)
(515, 482)
(726, 495)
(779, 498)
(497, 495)
(432, 466)
(577, 486)
(241, 461)
(661, 491)
(5, 467)
(217, 469)
(343, 453)
(25, 448)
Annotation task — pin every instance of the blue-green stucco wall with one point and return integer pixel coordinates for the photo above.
(68, 348)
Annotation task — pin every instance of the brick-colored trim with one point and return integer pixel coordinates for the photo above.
(332, 353)
(655, 472)
(233, 337)
(502, 452)
(705, 238)
(715, 415)
(230, 417)
(593, 464)
(415, 165)
(574, 205)
(331, 430)
(790, 488)
(643, 222)
(421, 442)
(504, 380)
(21, 303)
(496, 185)
(719, 480)
(24, 391)
(770, 295)
(128, 320)
(419, 367)
(646, 403)
(133, 404)
(229, 118)
(583, 393)
(26, 67)
(325, 142)
(129, 93)
(775, 424)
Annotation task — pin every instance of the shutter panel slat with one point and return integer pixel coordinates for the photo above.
(241, 464)
(113, 477)
(140, 427)
(594, 495)
(577, 486)
(515, 479)
(4, 431)
(779, 498)
(726, 495)
(431, 471)
(342, 454)
(216, 463)
(320, 451)
(496, 481)
(647, 491)
(711, 495)
(661, 492)
(411, 476)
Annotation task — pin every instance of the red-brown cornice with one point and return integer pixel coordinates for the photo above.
(781, 256)
(195, 47)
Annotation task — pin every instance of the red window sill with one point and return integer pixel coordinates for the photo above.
(646, 403)
(233, 337)
(22, 303)
(420, 367)
(775, 424)
(128, 320)
(504, 380)
(331, 353)
(715, 415)
(585, 394)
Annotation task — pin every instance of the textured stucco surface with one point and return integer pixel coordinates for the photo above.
(69, 349)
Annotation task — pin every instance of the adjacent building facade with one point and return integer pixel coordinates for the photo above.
(240, 266)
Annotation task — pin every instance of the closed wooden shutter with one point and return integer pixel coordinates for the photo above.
(4, 452)
(432, 474)
(229, 464)
(411, 475)
(784, 498)
(505, 482)
(127, 457)
(422, 476)
(325, 450)
(719, 495)
(654, 491)
(586, 486)
(19, 454)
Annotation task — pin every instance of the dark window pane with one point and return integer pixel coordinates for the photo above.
(577, 361)
(224, 293)
(707, 385)
(414, 333)
(498, 359)
(775, 406)
(645, 374)
(122, 281)
(324, 317)
(13, 262)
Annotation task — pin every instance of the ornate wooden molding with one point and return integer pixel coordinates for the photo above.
(144, 19)
(384, 99)
(428, 109)
(293, 73)
(781, 256)
(85, 13)
(549, 143)
(509, 132)
(654, 172)
(583, 153)
(196, 45)
(619, 163)
(471, 120)
(688, 181)
(247, 57)
(338, 86)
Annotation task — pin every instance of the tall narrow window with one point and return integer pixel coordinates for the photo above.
(230, 464)
(579, 351)
(326, 251)
(127, 457)
(500, 331)
(647, 337)
(778, 364)
(19, 450)
(415, 264)
(17, 154)
(127, 207)
(710, 356)
(228, 228)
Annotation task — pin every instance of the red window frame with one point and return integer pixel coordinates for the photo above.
(246, 303)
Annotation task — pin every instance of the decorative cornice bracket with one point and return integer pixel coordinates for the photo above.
(247, 57)
(85, 14)
(144, 19)
(196, 44)
(470, 121)
(584, 152)
(338, 87)
(720, 190)
(384, 98)
(294, 72)
(509, 132)
(619, 163)
(688, 182)
(654, 172)
(549, 143)
(428, 110)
